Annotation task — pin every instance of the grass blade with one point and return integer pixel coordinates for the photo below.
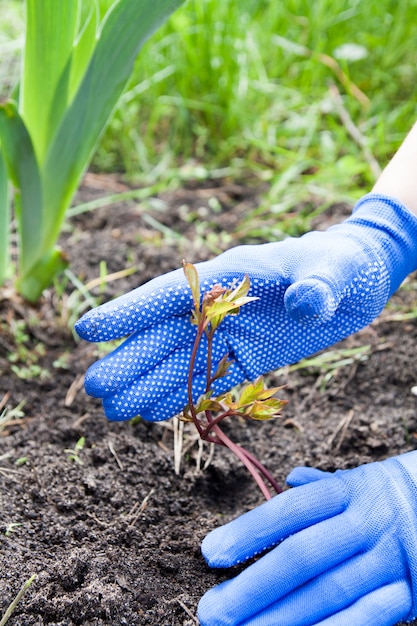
(4, 220)
(17, 599)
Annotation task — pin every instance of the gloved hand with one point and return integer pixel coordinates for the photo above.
(313, 291)
(347, 557)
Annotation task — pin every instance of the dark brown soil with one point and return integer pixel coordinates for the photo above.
(113, 534)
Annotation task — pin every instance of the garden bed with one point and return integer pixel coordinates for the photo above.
(109, 529)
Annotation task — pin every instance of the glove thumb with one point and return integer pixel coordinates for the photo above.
(311, 300)
(305, 475)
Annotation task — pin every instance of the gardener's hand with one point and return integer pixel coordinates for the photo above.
(313, 291)
(348, 552)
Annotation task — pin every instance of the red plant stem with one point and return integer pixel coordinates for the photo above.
(255, 467)
(260, 467)
(200, 331)
(219, 418)
(241, 454)
(209, 335)
(264, 471)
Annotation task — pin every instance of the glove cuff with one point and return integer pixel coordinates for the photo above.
(394, 226)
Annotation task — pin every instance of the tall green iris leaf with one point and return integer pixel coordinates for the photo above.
(24, 173)
(75, 66)
(50, 35)
(123, 32)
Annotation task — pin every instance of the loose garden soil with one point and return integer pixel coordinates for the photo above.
(111, 532)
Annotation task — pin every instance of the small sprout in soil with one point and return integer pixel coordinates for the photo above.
(10, 416)
(22, 460)
(73, 453)
(255, 401)
(62, 362)
(27, 354)
(12, 527)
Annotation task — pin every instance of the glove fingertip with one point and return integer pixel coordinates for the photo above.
(93, 327)
(91, 387)
(304, 475)
(115, 412)
(85, 328)
(221, 548)
(208, 608)
(213, 551)
(93, 381)
(310, 300)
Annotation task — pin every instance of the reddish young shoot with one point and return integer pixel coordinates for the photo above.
(254, 401)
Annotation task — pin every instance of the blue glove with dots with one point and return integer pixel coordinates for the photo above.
(313, 291)
(345, 552)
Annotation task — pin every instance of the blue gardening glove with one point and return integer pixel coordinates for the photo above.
(313, 291)
(347, 557)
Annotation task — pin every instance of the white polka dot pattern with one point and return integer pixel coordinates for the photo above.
(313, 291)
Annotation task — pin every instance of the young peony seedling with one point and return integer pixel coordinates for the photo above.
(254, 401)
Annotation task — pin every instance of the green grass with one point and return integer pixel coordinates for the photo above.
(305, 97)
(11, 42)
(245, 85)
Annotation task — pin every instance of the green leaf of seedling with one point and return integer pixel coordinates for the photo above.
(186, 416)
(216, 311)
(268, 393)
(257, 391)
(222, 367)
(24, 173)
(193, 280)
(239, 302)
(265, 409)
(250, 392)
(80, 444)
(207, 404)
(241, 290)
(228, 400)
(73, 453)
(219, 303)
